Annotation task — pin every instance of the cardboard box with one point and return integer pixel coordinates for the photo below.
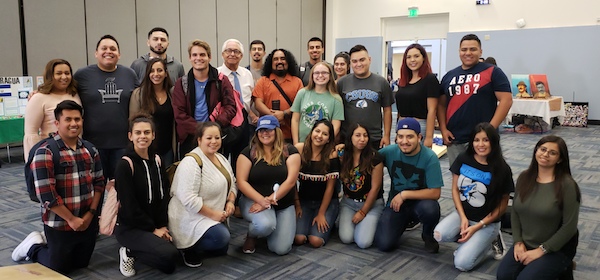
(555, 103)
(30, 271)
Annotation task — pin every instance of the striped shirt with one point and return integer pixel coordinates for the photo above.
(74, 187)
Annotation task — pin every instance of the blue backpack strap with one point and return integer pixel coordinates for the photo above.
(89, 146)
(53, 146)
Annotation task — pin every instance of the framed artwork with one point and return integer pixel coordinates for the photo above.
(539, 86)
(520, 86)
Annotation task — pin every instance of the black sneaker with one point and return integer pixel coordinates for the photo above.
(499, 247)
(412, 225)
(431, 246)
(191, 259)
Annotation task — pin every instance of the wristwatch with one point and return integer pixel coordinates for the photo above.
(543, 248)
(93, 211)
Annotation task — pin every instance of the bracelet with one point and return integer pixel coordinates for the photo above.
(230, 201)
(362, 212)
(482, 223)
(400, 193)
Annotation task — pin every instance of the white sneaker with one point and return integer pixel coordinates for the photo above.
(126, 263)
(20, 253)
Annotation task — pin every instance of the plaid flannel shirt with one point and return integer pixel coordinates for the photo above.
(75, 188)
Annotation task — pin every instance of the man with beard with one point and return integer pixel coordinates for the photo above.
(257, 52)
(196, 95)
(416, 186)
(158, 41)
(275, 91)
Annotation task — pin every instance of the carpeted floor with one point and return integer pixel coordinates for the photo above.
(335, 260)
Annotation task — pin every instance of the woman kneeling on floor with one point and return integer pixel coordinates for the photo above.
(203, 195)
(143, 191)
(267, 171)
(317, 204)
(481, 183)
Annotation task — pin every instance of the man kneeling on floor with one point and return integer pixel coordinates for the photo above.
(69, 196)
(416, 186)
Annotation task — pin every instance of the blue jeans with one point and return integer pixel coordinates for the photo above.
(548, 266)
(310, 209)
(214, 242)
(278, 226)
(472, 252)
(363, 232)
(392, 224)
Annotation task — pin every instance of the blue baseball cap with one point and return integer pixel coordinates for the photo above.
(267, 122)
(409, 123)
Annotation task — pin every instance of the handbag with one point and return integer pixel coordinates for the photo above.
(108, 216)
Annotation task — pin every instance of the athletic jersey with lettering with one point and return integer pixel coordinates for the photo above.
(471, 97)
(363, 100)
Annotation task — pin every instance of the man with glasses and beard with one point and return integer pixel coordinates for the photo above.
(275, 91)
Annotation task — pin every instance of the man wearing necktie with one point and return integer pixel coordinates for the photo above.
(242, 81)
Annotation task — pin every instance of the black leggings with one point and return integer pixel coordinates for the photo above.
(148, 248)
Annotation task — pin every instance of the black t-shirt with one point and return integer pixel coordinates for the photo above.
(474, 186)
(262, 177)
(411, 100)
(163, 119)
(360, 184)
(313, 182)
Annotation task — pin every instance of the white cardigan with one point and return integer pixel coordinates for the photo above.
(192, 189)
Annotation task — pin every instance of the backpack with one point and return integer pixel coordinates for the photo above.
(108, 216)
(232, 133)
(171, 169)
(58, 169)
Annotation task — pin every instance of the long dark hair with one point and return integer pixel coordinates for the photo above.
(323, 164)
(365, 165)
(289, 58)
(494, 159)
(405, 73)
(147, 94)
(562, 172)
(48, 84)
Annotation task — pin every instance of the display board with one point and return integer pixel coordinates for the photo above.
(14, 92)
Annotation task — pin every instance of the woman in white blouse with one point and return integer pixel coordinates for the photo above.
(203, 197)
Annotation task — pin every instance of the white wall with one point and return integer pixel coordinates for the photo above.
(359, 18)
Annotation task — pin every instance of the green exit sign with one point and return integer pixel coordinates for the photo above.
(413, 12)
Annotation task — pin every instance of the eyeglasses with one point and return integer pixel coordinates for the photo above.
(265, 130)
(552, 153)
(320, 73)
(232, 51)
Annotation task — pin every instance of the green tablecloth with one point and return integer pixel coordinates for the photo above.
(12, 130)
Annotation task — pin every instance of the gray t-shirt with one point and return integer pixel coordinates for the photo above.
(174, 67)
(105, 99)
(363, 100)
